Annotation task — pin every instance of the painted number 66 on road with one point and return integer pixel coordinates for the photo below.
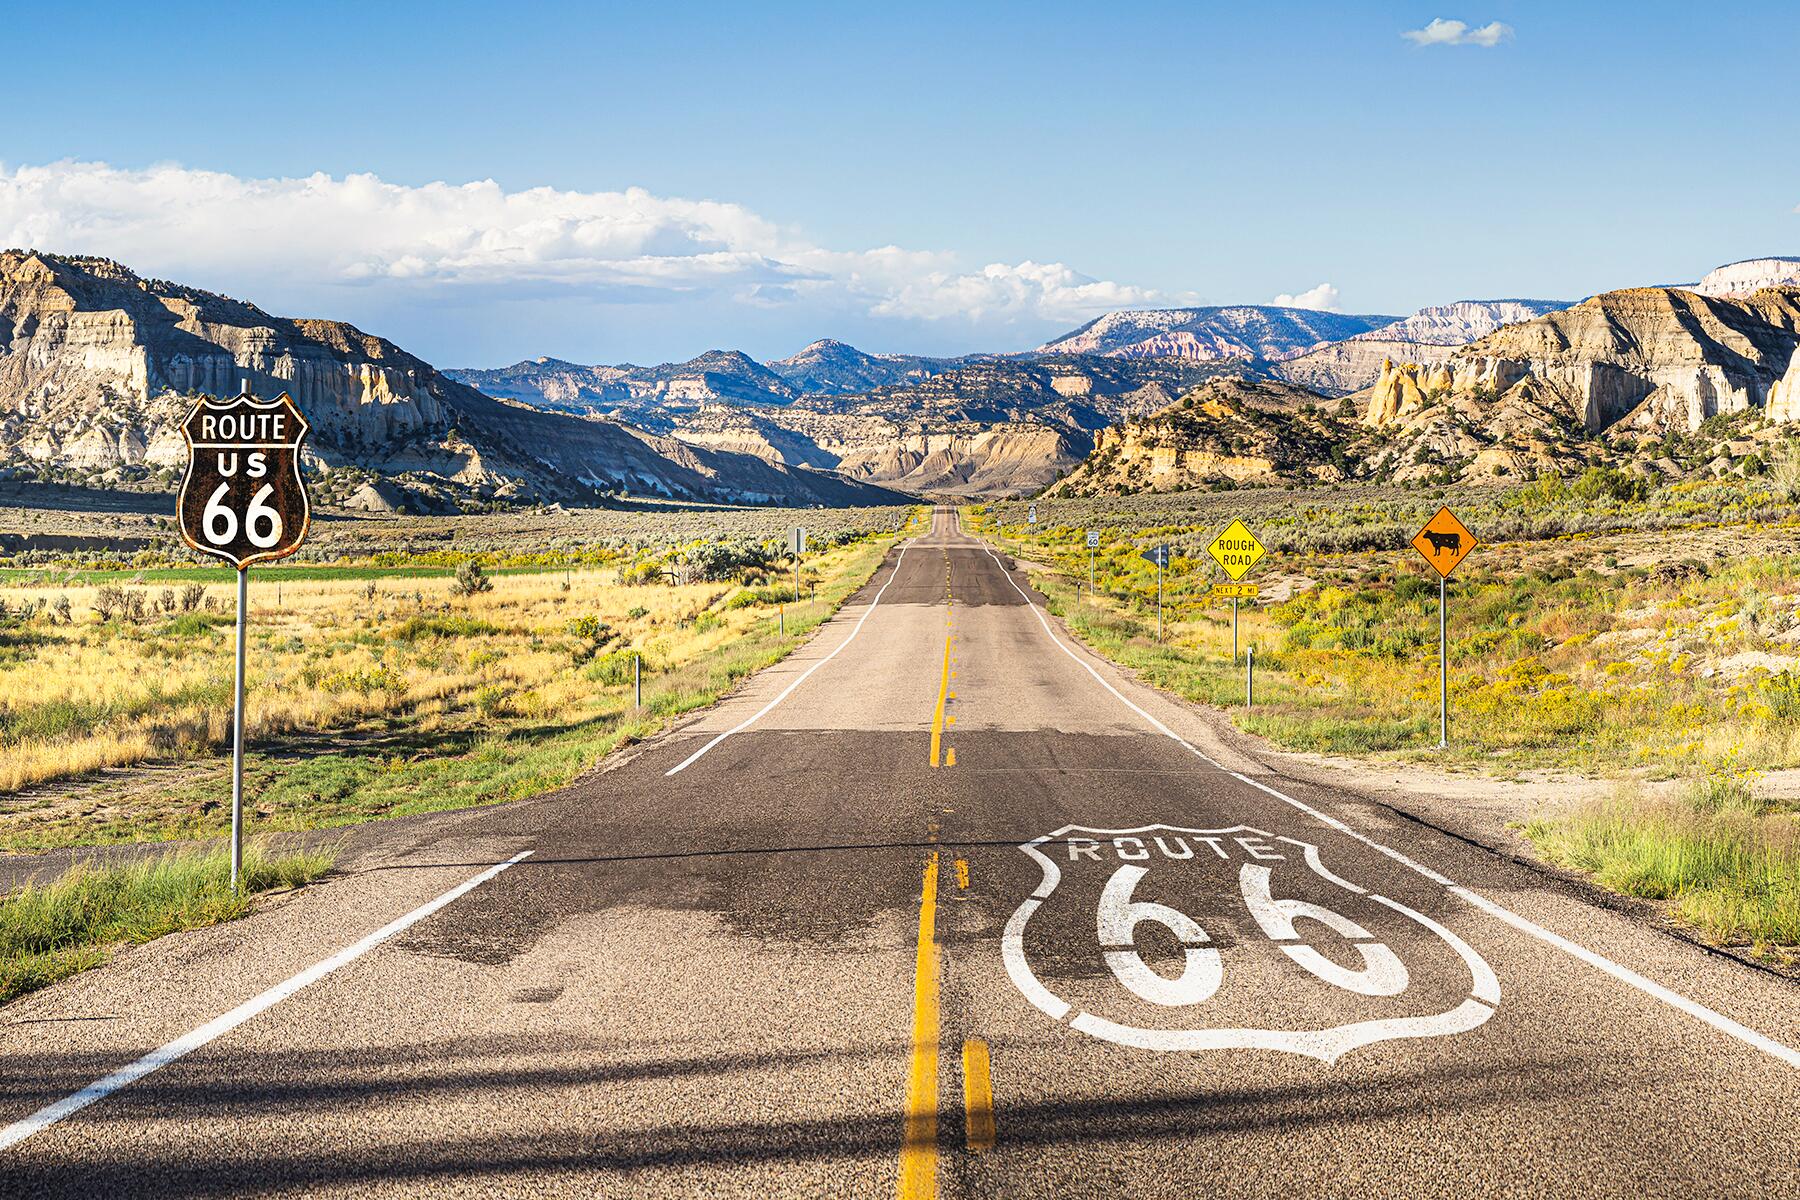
(1315, 969)
(1382, 973)
(243, 498)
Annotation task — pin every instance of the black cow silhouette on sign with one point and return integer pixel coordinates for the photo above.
(1444, 542)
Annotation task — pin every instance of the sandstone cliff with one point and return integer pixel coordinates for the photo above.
(1641, 358)
(1750, 276)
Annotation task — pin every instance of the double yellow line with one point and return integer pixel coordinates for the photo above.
(919, 1147)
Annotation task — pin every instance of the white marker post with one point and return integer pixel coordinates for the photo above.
(637, 680)
(1250, 679)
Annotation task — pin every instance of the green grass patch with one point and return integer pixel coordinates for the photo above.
(1723, 866)
(50, 932)
(415, 629)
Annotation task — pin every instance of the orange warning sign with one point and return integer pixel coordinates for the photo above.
(1445, 541)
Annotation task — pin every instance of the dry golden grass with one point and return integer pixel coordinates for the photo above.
(327, 654)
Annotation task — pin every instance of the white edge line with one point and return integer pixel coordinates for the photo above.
(1623, 974)
(162, 1056)
(762, 712)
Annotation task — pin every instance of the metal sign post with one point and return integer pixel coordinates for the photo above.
(237, 732)
(1236, 550)
(797, 541)
(1250, 678)
(1443, 665)
(243, 500)
(1160, 556)
(1444, 542)
(637, 681)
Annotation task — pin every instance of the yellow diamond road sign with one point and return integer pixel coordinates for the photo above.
(1237, 550)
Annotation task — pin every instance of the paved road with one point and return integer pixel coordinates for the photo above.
(941, 905)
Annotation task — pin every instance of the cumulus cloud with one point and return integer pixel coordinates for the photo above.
(1324, 297)
(479, 240)
(1458, 33)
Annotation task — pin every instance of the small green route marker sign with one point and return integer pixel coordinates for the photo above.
(1237, 550)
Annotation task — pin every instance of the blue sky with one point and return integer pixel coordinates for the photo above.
(920, 177)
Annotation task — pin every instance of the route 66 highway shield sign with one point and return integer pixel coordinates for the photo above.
(243, 499)
(1173, 939)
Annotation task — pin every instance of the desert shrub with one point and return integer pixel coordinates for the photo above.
(470, 579)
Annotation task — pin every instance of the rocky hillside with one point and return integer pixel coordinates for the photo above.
(1427, 337)
(97, 364)
(1229, 431)
(1247, 331)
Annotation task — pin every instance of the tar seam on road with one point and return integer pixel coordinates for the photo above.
(49, 1115)
(919, 1150)
(1623, 974)
(764, 711)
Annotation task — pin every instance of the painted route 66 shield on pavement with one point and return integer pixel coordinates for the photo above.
(1172, 939)
(243, 499)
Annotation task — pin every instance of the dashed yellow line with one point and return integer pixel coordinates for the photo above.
(937, 716)
(919, 1150)
(978, 1096)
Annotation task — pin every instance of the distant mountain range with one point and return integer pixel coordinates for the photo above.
(96, 362)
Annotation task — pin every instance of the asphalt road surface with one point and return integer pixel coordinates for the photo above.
(942, 905)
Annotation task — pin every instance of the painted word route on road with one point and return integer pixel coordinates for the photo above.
(1237, 549)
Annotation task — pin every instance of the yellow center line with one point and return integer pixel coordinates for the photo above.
(978, 1097)
(937, 717)
(918, 1152)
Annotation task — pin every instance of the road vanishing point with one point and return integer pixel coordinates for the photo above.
(941, 905)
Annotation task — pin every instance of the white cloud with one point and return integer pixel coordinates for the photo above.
(1324, 297)
(477, 240)
(1457, 33)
